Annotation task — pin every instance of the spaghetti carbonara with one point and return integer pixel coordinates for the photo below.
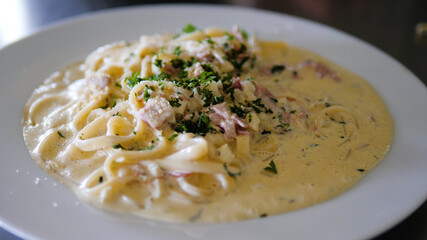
(206, 125)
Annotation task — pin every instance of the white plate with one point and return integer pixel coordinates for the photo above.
(35, 206)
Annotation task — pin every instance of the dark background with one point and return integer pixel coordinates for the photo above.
(388, 25)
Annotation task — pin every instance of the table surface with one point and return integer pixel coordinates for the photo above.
(387, 24)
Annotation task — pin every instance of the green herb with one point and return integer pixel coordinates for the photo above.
(114, 101)
(231, 174)
(277, 69)
(239, 111)
(118, 85)
(148, 148)
(229, 36)
(361, 170)
(286, 127)
(265, 132)
(106, 104)
(154, 53)
(276, 80)
(158, 63)
(258, 107)
(60, 134)
(334, 120)
(293, 111)
(134, 132)
(244, 34)
(271, 167)
(146, 95)
(209, 40)
(117, 146)
(327, 104)
(232, 56)
(162, 85)
(189, 28)
(200, 126)
(172, 137)
(101, 179)
(175, 102)
(263, 215)
(133, 80)
(209, 99)
(177, 50)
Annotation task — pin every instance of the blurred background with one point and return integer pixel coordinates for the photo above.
(394, 26)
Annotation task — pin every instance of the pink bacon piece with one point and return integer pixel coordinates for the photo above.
(99, 80)
(321, 70)
(228, 121)
(157, 112)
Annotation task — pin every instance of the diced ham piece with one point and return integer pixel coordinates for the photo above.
(99, 80)
(236, 32)
(237, 83)
(287, 117)
(228, 121)
(205, 56)
(321, 70)
(266, 96)
(157, 112)
(261, 92)
(198, 70)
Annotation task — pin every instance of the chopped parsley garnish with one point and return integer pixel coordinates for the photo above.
(148, 148)
(133, 80)
(172, 137)
(271, 167)
(233, 56)
(334, 120)
(285, 127)
(293, 111)
(361, 170)
(265, 132)
(146, 95)
(263, 215)
(158, 63)
(327, 104)
(274, 100)
(134, 132)
(118, 85)
(189, 28)
(209, 99)
(229, 36)
(231, 174)
(174, 102)
(117, 146)
(106, 104)
(199, 126)
(114, 101)
(60, 134)
(277, 69)
(239, 111)
(177, 50)
(209, 40)
(244, 34)
(258, 107)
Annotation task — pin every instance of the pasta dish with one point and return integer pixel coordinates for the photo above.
(206, 125)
